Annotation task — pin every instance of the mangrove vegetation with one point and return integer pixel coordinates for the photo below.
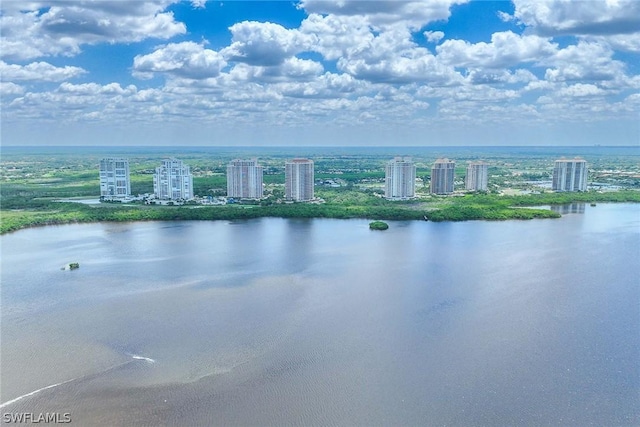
(349, 184)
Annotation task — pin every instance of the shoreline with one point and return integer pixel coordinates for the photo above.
(488, 207)
(30, 219)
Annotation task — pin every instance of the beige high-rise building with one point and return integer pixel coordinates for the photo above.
(477, 177)
(244, 179)
(299, 180)
(570, 175)
(442, 176)
(400, 179)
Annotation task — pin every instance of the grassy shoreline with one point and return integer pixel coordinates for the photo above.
(27, 213)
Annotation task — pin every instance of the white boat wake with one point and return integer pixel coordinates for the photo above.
(147, 359)
(34, 392)
(133, 356)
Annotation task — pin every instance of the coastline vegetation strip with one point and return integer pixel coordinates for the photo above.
(21, 212)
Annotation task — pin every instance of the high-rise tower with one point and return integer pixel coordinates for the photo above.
(400, 179)
(114, 178)
(298, 180)
(173, 181)
(570, 175)
(477, 176)
(442, 176)
(244, 179)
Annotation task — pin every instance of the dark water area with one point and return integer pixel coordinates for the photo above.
(325, 322)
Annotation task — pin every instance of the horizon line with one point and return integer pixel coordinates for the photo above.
(312, 146)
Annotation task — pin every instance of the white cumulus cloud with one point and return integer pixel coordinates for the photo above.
(623, 42)
(38, 71)
(584, 61)
(264, 43)
(434, 36)
(198, 4)
(292, 69)
(506, 49)
(186, 59)
(337, 36)
(494, 76)
(581, 89)
(383, 13)
(10, 88)
(38, 29)
(593, 17)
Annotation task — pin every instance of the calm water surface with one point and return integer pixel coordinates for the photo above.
(324, 322)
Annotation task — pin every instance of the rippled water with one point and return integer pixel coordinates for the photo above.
(283, 322)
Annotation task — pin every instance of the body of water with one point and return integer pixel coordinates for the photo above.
(325, 322)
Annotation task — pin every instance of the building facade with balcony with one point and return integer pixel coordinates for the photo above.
(114, 178)
(569, 175)
(173, 181)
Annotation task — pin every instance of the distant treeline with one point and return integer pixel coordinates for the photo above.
(22, 211)
(64, 213)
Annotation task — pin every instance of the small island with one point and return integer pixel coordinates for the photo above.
(378, 225)
(71, 266)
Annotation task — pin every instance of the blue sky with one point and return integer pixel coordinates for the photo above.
(320, 72)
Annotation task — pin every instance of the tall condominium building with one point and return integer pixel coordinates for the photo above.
(442, 175)
(570, 175)
(244, 179)
(477, 177)
(173, 180)
(400, 179)
(298, 174)
(114, 178)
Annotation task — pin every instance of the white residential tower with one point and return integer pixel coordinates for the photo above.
(114, 178)
(400, 179)
(298, 180)
(477, 177)
(173, 181)
(570, 175)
